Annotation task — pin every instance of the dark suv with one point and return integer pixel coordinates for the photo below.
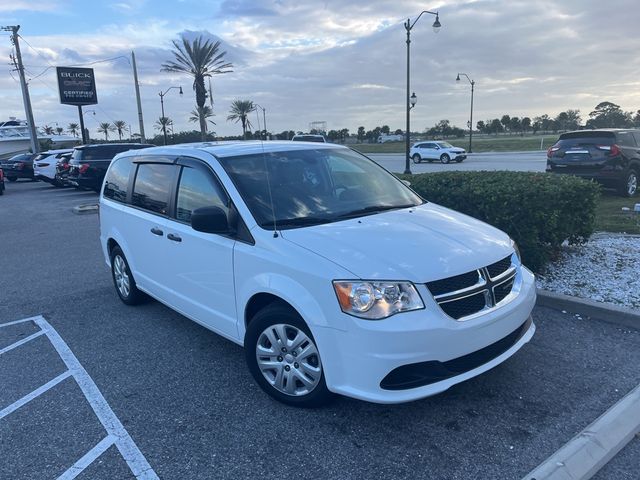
(609, 156)
(89, 163)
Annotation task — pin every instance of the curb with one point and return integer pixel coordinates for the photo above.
(591, 449)
(86, 209)
(607, 312)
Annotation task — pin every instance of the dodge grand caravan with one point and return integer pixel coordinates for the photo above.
(333, 274)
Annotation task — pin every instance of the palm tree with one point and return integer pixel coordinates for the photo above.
(240, 110)
(59, 130)
(205, 112)
(120, 125)
(106, 127)
(162, 123)
(48, 130)
(73, 128)
(199, 59)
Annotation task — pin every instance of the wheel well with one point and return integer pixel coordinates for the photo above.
(260, 301)
(111, 243)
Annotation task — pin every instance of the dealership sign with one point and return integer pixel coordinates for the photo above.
(77, 86)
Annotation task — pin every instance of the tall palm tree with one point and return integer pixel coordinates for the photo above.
(106, 127)
(59, 130)
(73, 129)
(162, 123)
(120, 125)
(240, 110)
(205, 112)
(48, 130)
(200, 59)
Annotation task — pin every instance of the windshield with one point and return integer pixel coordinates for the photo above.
(444, 145)
(315, 186)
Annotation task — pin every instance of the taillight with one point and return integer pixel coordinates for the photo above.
(65, 166)
(18, 165)
(552, 150)
(615, 150)
(83, 168)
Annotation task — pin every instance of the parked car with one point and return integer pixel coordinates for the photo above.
(430, 151)
(309, 138)
(1, 182)
(18, 166)
(313, 258)
(390, 138)
(62, 170)
(45, 163)
(89, 163)
(608, 156)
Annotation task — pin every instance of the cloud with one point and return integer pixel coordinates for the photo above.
(344, 62)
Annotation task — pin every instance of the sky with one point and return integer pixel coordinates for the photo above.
(341, 62)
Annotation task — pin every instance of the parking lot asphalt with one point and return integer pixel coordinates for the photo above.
(186, 399)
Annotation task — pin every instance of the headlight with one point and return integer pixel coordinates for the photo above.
(514, 245)
(376, 300)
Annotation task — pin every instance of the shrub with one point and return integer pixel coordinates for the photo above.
(538, 210)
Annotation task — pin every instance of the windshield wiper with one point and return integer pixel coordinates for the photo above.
(373, 209)
(300, 221)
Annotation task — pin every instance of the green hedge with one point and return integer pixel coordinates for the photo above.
(538, 210)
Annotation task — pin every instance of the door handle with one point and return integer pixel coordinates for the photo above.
(173, 237)
(157, 231)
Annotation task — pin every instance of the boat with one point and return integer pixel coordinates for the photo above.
(15, 138)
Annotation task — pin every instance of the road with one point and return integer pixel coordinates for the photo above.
(185, 399)
(520, 161)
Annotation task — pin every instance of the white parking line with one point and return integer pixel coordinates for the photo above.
(116, 433)
(21, 342)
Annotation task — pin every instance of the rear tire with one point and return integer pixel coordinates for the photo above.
(416, 158)
(123, 279)
(629, 186)
(283, 365)
(444, 158)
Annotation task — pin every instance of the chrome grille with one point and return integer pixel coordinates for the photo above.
(464, 295)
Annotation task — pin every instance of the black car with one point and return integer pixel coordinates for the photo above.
(608, 156)
(1, 182)
(18, 166)
(89, 163)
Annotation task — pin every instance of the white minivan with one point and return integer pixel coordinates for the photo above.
(334, 275)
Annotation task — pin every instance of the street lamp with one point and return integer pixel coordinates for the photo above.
(164, 123)
(473, 84)
(85, 136)
(411, 100)
(264, 119)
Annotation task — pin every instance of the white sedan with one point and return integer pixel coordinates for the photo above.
(430, 151)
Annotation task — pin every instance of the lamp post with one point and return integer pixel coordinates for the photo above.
(264, 119)
(85, 135)
(473, 84)
(411, 101)
(164, 125)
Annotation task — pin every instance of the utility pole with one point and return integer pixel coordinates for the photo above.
(135, 80)
(17, 61)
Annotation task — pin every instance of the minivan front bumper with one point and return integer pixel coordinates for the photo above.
(422, 353)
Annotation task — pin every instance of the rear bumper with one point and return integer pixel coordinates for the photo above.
(608, 178)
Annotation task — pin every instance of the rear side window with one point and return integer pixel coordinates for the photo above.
(152, 187)
(117, 181)
(626, 139)
(197, 189)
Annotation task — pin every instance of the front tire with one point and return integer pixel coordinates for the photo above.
(444, 158)
(283, 358)
(416, 158)
(123, 279)
(629, 186)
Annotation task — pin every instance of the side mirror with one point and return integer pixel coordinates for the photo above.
(209, 220)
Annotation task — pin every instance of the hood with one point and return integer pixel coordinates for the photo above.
(419, 244)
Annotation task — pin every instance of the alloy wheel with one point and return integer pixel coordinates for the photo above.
(632, 184)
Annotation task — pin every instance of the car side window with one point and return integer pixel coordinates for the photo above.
(117, 180)
(430, 145)
(198, 188)
(152, 187)
(626, 139)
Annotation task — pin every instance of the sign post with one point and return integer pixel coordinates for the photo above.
(77, 86)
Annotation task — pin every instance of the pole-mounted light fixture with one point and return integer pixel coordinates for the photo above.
(413, 99)
(473, 84)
